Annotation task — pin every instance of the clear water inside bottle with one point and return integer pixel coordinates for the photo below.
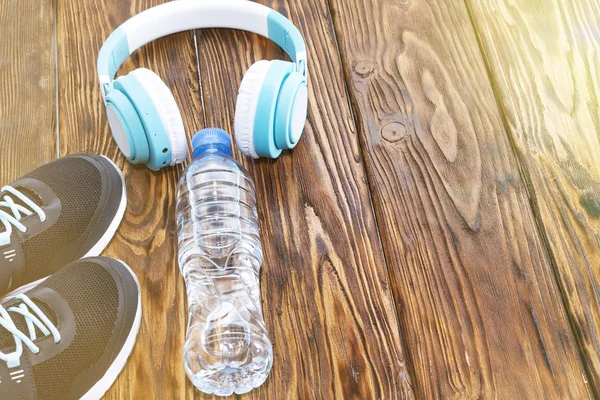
(227, 349)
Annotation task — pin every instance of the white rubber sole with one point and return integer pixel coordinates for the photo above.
(101, 387)
(98, 248)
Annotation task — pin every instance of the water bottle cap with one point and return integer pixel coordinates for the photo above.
(211, 138)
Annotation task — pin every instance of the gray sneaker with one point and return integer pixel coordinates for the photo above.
(65, 210)
(70, 336)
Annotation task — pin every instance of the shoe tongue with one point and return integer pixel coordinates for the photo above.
(7, 340)
(31, 195)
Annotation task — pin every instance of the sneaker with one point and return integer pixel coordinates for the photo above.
(65, 210)
(70, 336)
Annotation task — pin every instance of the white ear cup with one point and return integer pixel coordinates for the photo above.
(169, 112)
(245, 107)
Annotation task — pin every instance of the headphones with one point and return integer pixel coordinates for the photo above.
(145, 121)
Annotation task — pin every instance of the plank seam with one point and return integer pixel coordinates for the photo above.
(199, 77)
(57, 125)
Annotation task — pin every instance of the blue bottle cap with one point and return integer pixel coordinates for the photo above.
(213, 140)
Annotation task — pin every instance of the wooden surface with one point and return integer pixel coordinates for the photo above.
(481, 312)
(27, 79)
(544, 61)
(435, 234)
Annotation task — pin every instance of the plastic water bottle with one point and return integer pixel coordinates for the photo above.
(227, 349)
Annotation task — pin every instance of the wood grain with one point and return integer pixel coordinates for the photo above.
(544, 60)
(146, 239)
(476, 293)
(27, 78)
(325, 291)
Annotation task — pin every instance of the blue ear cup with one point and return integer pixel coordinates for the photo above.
(136, 124)
(271, 109)
(291, 111)
(126, 127)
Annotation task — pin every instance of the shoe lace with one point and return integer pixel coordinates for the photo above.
(38, 319)
(18, 211)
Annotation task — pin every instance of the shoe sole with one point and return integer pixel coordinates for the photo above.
(101, 387)
(98, 248)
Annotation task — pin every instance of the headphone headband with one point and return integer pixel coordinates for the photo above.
(182, 15)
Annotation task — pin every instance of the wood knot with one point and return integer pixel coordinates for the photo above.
(393, 131)
(591, 204)
(405, 3)
(364, 68)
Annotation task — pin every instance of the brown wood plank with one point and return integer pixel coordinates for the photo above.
(27, 87)
(147, 237)
(544, 59)
(479, 306)
(325, 289)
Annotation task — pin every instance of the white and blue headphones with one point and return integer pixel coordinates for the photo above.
(145, 121)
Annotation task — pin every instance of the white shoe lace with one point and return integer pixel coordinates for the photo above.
(40, 321)
(17, 211)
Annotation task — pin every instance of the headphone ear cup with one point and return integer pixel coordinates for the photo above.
(246, 104)
(292, 108)
(163, 99)
(267, 108)
(126, 127)
(257, 106)
(142, 95)
(270, 112)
